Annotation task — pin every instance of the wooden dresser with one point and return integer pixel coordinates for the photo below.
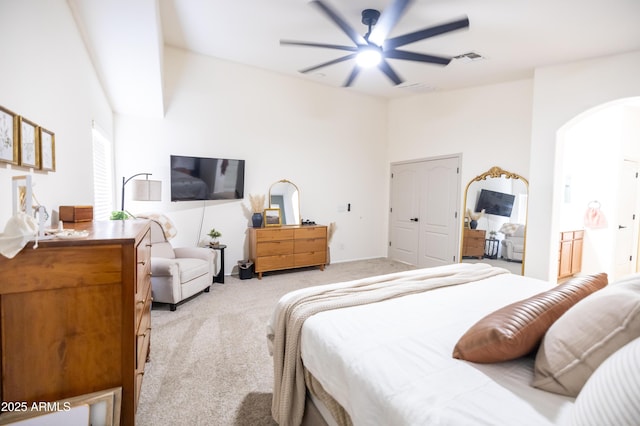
(286, 247)
(473, 243)
(76, 315)
(570, 256)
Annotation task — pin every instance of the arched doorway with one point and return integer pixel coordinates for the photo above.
(596, 188)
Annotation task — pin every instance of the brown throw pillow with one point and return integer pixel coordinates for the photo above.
(585, 336)
(517, 329)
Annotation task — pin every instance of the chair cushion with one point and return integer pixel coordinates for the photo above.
(191, 268)
(588, 333)
(162, 249)
(516, 329)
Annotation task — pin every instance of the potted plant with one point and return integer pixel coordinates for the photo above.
(492, 234)
(214, 235)
(119, 215)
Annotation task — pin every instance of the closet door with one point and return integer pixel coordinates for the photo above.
(425, 197)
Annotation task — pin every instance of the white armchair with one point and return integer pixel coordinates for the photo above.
(178, 273)
(513, 243)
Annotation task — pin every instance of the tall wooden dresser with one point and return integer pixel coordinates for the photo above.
(286, 247)
(76, 315)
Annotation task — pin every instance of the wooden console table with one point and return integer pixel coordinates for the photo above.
(76, 315)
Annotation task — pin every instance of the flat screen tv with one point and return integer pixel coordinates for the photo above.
(497, 203)
(202, 178)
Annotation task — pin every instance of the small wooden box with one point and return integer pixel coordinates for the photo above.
(76, 213)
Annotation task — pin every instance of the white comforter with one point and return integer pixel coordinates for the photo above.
(385, 377)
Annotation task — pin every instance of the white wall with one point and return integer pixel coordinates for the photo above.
(48, 78)
(330, 142)
(561, 93)
(490, 125)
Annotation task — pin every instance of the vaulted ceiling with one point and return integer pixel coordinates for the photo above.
(126, 40)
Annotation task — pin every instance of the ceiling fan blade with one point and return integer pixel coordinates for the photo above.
(386, 68)
(310, 44)
(388, 19)
(419, 57)
(354, 73)
(340, 22)
(326, 64)
(392, 43)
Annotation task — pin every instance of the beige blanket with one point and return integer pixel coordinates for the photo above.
(283, 332)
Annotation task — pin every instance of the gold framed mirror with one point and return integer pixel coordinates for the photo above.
(494, 220)
(285, 195)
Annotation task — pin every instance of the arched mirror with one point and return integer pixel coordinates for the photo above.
(494, 223)
(285, 195)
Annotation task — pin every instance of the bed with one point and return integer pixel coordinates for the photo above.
(378, 351)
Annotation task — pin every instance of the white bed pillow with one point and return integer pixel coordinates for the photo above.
(611, 396)
(589, 332)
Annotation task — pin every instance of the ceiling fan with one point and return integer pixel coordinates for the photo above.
(374, 48)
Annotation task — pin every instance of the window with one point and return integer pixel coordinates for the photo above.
(102, 175)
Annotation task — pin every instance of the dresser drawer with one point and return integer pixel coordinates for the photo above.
(310, 258)
(312, 244)
(271, 234)
(143, 313)
(142, 345)
(267, 263)
(143, 264)
(269, 248)
(310, 232)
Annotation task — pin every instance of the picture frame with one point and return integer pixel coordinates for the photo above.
(102, 409)
(29, 146)
(272, 217)
(47, 149)
(9, 132)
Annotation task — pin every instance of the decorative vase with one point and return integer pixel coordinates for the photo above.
(256, 219)
(473, 224)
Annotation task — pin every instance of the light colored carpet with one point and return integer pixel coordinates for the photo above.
(209, 359)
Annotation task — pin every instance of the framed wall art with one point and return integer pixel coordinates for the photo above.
(9, 131)
(272, 217)
(98, 408)
(47, 149)
(29, 145)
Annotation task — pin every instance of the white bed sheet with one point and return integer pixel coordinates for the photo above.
(390, 363)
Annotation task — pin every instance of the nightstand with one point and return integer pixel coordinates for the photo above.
(220, 277)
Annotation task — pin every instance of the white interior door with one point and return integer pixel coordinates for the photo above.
(403, 214)
(626, 227)
(439, 199)
(425, 199)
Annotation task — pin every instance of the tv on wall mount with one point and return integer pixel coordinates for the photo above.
(204, 178)
(497, 203)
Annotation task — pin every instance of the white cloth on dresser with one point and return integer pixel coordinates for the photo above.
(19, 230)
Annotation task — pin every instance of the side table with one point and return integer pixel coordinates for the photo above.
(491, 248)
(220, 277)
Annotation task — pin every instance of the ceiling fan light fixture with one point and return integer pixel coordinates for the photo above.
(368, 57)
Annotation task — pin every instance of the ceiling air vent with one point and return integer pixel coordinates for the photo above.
(468, 57)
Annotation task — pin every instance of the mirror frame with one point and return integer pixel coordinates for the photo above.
(494, 172)
(298, 206)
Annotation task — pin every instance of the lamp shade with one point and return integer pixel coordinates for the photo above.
(147, 190)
